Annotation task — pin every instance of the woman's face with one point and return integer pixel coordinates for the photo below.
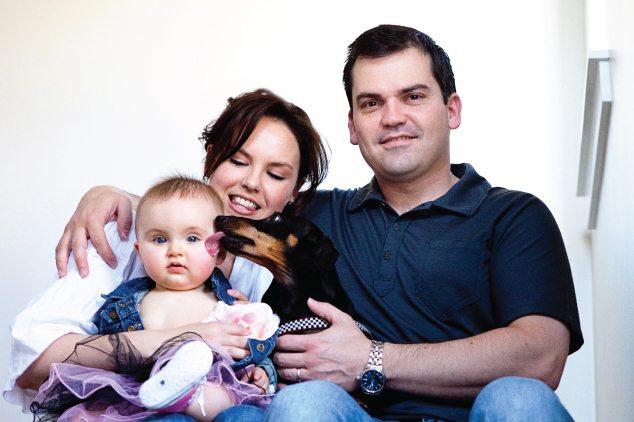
(260, 178)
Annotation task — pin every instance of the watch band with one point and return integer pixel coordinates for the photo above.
(375, 360)
(372, 379)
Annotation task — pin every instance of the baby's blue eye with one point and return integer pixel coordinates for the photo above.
(160, 240)
(193, 239)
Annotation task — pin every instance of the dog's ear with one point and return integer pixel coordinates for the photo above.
(325, 253)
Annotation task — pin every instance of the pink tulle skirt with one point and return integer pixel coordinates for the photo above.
(73, 391)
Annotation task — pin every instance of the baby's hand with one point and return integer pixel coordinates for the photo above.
(257, 376)
(240, 297)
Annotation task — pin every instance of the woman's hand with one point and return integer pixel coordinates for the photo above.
(97, 207)
(232, 337)
(238, 295)
(257, 376)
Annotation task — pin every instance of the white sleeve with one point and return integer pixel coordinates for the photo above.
(250, 278)
(67, 306)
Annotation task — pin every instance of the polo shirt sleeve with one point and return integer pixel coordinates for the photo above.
(530, 272)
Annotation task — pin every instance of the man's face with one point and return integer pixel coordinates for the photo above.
(399, 119)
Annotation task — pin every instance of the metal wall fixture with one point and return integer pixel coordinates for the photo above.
(594, 136)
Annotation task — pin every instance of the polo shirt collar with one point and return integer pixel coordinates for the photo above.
(463, 198)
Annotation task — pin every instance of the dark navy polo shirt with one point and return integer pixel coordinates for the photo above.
(475, 259)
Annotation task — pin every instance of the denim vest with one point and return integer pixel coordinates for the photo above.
(120, 313)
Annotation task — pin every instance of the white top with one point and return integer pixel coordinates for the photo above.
(69, 304)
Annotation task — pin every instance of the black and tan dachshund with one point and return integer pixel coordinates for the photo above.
(301, 258)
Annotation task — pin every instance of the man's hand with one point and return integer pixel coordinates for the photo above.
(337, 354)
(97, 207)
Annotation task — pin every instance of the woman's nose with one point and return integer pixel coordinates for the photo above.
(251, 181)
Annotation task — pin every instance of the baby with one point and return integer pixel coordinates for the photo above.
(179, 250)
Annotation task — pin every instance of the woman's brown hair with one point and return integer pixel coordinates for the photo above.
(225, 136)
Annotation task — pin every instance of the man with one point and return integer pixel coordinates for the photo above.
(460, 284)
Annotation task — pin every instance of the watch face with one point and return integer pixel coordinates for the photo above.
(372, 381)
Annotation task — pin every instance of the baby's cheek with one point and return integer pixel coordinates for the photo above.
(205, 262)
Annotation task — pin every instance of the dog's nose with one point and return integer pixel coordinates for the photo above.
(220, 221)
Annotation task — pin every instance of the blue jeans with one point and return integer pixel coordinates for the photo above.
(514, 399)
(506, 399)
(234, 413)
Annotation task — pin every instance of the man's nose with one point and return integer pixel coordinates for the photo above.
(393, 113)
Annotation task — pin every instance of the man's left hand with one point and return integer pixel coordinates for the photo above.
(337, 354)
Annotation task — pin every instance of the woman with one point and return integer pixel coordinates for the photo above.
(260, 152)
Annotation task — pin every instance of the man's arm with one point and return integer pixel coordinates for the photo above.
(532, 346)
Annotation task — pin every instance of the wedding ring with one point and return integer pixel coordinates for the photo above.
(298, 375)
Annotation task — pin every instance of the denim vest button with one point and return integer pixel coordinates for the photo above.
(122, 305)
(113, 314)
(131, 328)
(387, 255)
(260, 347)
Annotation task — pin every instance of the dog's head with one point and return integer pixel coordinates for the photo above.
(280, 243)
(301, 258)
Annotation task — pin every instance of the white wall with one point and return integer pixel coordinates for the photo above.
(117, 92)
(612, 242)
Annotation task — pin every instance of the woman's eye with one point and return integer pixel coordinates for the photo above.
(236, 162)
(276, 176)
(193, 239)
(159, 239)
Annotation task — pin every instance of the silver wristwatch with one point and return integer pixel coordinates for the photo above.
(372, 379)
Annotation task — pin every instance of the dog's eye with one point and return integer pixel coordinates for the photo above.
(276, 218)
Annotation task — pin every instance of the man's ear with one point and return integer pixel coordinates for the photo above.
(352, 130)
(454, 110)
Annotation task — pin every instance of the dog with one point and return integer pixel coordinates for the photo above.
(297, 253)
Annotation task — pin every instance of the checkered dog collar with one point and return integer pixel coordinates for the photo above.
(312, 323)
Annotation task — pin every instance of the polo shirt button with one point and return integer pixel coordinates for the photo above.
(397, 226)
(387, 256)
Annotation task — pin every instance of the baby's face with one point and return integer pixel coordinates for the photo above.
(171, 238)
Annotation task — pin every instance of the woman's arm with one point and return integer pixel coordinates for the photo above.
(97, 207)
(232, 337)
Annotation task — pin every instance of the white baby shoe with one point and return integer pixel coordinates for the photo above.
(173, 387)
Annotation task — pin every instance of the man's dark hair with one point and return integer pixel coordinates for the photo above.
(385, 40)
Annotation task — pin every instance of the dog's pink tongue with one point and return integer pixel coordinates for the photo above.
(213, 243)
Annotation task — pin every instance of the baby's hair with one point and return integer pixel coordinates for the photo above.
(180, 186)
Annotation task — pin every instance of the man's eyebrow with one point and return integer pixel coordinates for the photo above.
(416, 87)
